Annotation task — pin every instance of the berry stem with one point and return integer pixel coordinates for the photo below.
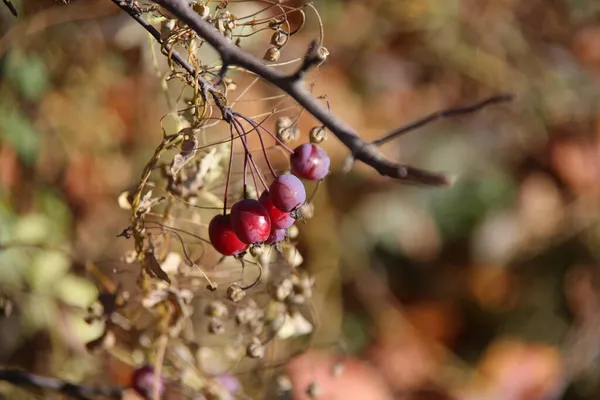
(228, 170)
(240, 129)
(257, 125)
(264, 150)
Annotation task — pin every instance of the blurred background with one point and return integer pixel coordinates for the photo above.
(488, 289)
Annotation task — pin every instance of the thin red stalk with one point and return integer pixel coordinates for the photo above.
(228, 171)
(264, 150)
(257, 125)
(239, 129)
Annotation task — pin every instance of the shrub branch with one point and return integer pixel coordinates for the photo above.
(76, 391)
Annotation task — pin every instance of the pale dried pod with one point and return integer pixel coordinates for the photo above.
(279, 38)
(276, 23)
(216, 309)
(202, 10)
(292, 232)
(216, 326)
(257, 250)
(323, 53)
(166, 28)
(286, 130)
(255, 349)
(284, 384)
(317, 134)
(284, 289)
(235, 292)
(272, 54)
(305, 211)
(314, 390)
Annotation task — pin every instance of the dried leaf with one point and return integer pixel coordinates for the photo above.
(188, 151)
(152, 267)
(148, 202)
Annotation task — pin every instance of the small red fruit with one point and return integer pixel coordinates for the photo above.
(250, 221)
(309, 161)
(287, 192)
(279, 219)
(142, 381)
(276, 236)
(223, 237)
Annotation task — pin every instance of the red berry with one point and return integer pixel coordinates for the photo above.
(309, 161)
(223, 238)
(279, 219)
(287, 192)
(250, 221)
(276, 236)
(142, 381)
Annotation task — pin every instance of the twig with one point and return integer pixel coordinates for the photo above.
(295, 87)
(11, 7)
(449, 113)
(76, 391)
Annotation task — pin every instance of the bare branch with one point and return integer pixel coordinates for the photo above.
(25, 379)
(449, 113)
(11, 7)
(296, 88)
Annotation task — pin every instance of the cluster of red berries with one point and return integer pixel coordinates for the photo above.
(265, 220)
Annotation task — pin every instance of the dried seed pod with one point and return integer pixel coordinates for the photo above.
(286, 129)
(323, 54)
(317, 134)
(314, 390)
(235, 292)
(255, 349)
(216, 326)
(304, 212)
(256, 326)
(292, 232)
(256, 250)
(202, 10)
(284, 289)
(272, 54)
(216, 309)
(284, 385)
(166, 28)
(279, 38)
(276, 23)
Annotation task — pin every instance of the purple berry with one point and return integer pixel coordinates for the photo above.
(250, 221)
(279, 219)
(287, 192)
(276, 236)
(309, 161)
(142, 381)
(223, 238)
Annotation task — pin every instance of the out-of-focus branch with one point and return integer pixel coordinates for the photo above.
(11, 7)
(25, 379)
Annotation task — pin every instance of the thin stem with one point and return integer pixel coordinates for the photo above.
(228, 171)
(260, 125)
(76, 391)
(264, 150)
(449, 113)
(239, 129)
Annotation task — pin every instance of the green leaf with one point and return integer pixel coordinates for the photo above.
(28, 74)
(20, 133)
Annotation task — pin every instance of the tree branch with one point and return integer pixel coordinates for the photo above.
(81, 392)
(452, 112)
(294, 86)
(11, 7)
